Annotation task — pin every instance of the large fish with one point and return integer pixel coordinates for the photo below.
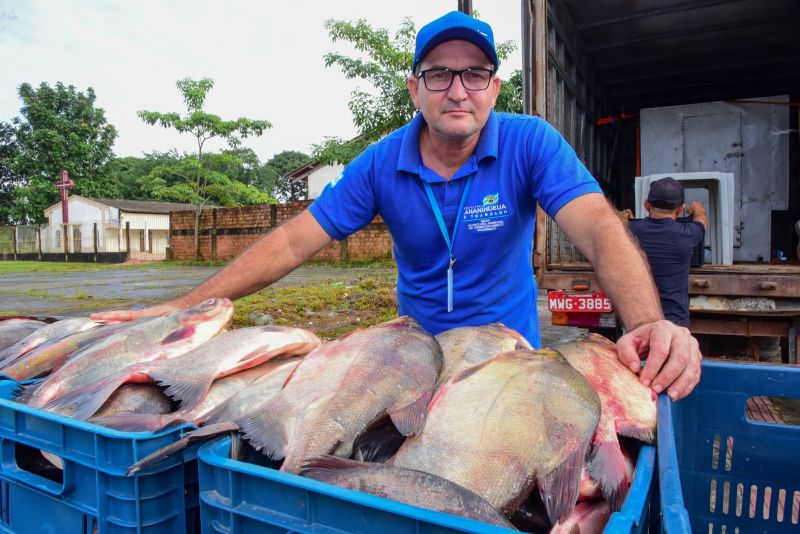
(46, 335)
(220, 419)
(159, 338)
(341, 387)
(404, 485)
(136, 399)
(466, 346)
(49, 356)
(12, 330)
(189, 376)
(520, 419)
(628, 409)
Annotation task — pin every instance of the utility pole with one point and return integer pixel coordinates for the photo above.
(465, 6)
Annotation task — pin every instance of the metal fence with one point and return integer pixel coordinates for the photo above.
(78, 240)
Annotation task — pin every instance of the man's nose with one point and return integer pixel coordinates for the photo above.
(457, 91)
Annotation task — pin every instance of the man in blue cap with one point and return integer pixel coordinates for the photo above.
(669, 244)
(458, 188)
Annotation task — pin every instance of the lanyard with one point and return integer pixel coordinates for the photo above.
(447, 239)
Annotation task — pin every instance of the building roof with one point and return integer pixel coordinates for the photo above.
(303, 170)
(145, 206)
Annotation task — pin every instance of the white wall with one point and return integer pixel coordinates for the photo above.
(321, 177)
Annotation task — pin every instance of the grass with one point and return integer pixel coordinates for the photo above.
(329, 309)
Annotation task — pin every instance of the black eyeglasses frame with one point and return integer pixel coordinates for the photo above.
(456, 73)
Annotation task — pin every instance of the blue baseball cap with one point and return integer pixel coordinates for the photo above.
(455, 25)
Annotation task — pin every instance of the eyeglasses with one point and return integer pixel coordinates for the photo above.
(440, 79)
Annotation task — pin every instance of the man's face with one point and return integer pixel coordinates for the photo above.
(456, 113)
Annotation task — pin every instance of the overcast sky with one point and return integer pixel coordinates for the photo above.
(266, 59)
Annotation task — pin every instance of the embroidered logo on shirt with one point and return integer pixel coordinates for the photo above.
(487, 216)
(336, 179)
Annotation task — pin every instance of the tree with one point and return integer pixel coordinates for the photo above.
(388, 106)
(283, 163)
(190, 180)
(199, 185)
(59, 128)
(9, 179)
(128, 171)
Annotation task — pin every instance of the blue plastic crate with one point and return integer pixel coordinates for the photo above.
(94, 494)
(238, 497)
(720, 472)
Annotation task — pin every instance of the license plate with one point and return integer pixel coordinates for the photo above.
(578, 302)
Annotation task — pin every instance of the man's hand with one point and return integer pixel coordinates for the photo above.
(695, 206)
(672, 354)
(132, 315)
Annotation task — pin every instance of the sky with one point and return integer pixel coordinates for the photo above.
(265, 57)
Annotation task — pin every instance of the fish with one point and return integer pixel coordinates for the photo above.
(159, 338)
(343, 386)
(220, 392)
(220, 420)
(135, 399)
(628, 409)
(189, 376)
(13, 330)
(466, 346)
(49, 356)
(520, 420)
(588, 517)
(46, 335)
(409, 486)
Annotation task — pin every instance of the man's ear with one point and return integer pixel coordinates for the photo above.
(647, 205)
(496, 89)
(413, 89)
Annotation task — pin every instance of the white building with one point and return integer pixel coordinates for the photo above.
(317, 175)
(148, 221)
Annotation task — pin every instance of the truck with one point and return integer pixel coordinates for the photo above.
(649, 88)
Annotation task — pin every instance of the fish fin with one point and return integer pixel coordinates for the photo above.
(646, 435)
(189, 391)
(266, 433)
(25, 392)
(84, 402)
(559, 489)
(379, 443)
(325, 468)
(606, 465)
(177, 335)
(136, 422)
(410, 419)
(237, 453)
(212, 415)
(201, 434)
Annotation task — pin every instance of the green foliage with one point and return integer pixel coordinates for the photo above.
(204, 178)
(388, 105)
(280, 165)
(59, 128)
(129, 170)
(9, 179)
(510, 97)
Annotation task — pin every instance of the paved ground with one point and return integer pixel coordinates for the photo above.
(79, 293)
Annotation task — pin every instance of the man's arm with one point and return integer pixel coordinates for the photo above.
(266, 261)
(699, 212)
(673, 356)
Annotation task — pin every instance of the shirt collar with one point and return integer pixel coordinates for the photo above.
(410, 159)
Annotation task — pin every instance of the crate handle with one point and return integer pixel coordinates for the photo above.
(10, 469)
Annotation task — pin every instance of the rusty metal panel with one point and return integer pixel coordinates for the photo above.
(571, 109)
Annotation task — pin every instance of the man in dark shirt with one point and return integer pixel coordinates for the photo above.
(669, 244)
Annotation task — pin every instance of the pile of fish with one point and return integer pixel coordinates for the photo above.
(472, 422)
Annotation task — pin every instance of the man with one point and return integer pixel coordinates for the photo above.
(457, 188)
(669, 244)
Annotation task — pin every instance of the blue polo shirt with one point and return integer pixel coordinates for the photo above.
(519, 160)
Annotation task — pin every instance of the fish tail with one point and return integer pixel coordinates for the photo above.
(83, 402)
(559, 489)
(189, 391)
(642, 433)
(606, 465)
(266, 433)
(136, 422)
(201, 434)
(25, 392)
(325, 468)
